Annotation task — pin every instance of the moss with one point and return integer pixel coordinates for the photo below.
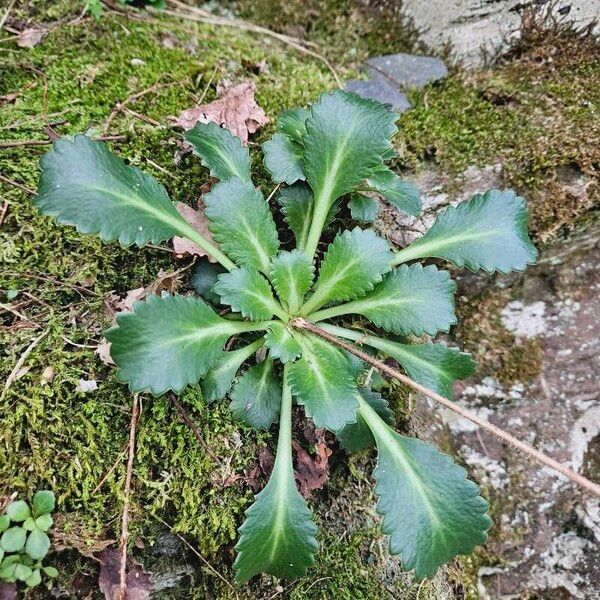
(498, 353)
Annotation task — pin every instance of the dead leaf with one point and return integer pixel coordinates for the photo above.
(71, 532)
(131, 297)
(199, 222)
(47, 376)
(312, 471)
(86, 385)
(103, 351)
(29, 38)
(235, 108)
(8, 591)
(139, 584)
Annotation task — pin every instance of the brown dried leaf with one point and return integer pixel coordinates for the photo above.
(235, 108)
(8, 591)
(29, 38)
(312, 471)
(139, 584)
(103, 351)
(199, 222)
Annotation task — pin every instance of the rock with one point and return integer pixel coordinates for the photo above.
(407, 70)
(474, 29)
(382, 91)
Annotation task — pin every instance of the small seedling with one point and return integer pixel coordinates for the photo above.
(333, 152)
(24, 540)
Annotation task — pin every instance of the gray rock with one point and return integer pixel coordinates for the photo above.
(407, 70)
(381, 90)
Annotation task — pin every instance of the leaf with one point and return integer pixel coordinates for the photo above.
(346, 136)
(292, 123)
(8, 590)
(204, 276)
(278, 535)
(430, 510)
(256, 397)
(311, 471)
(409, 300)
(296, 205)
(34, 579)
(402, 194)
(248, 292)
(18, 510)
(435, 366)
(363, 208)
(355, 437)
(38, 544)
(197, 220)
(13, 539)
(353, 263)
(235, 108)
(4, 522)
(43, 502)
(489, 232)
(283, 159)
(221, 151)
(219, 379)
(51, 571)
(242, 223)
(322, 382)
(85, 185)
(29, 524)
(31, 37)
(281, 343)
(167, 343)
(44, 522)
(138, 582)
(22, 572)
(292, 275)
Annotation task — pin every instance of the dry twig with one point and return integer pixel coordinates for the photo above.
(500, 433)
(17, 185)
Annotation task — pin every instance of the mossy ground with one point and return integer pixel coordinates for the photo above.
(53, 436)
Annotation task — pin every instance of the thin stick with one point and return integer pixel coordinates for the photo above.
(5, 15)
(20, 315)
(211, 568)
(125, 518)
(19, 143)
(13, 374)
(4, 211)
(17, 185)
(188, 421)
(114, 466)
(503, 435)
(78, 288)
(200, 16)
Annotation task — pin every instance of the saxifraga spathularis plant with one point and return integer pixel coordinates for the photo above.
(333, 151)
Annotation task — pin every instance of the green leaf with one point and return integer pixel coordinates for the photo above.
(85, 185)
(402, 194)
(436, 366)
(1, 554)
(29, 524)
(219, 379)
(296, 205)
(248, 292)
(430, 510)
(256, 396)
(43, 502)
(281, 343)
(322, 381)
(18, 511)
(292, 123)
(51, 571)
(167, 343)
(292, 275)
(242, 224)
(44, 522)
(4, 522)
(283, 159)
(34, 579)
(363, 208)
(22, 572)
(409, 300)
(278, 535)
(346, 136)
(38, 544)
(221, 151)
(357, 436)
(353, 263)
(489, 232)
(204, 276)
(13, 539)
(7, 571)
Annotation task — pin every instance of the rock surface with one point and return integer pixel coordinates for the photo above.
(381, 90)
(476, 27)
